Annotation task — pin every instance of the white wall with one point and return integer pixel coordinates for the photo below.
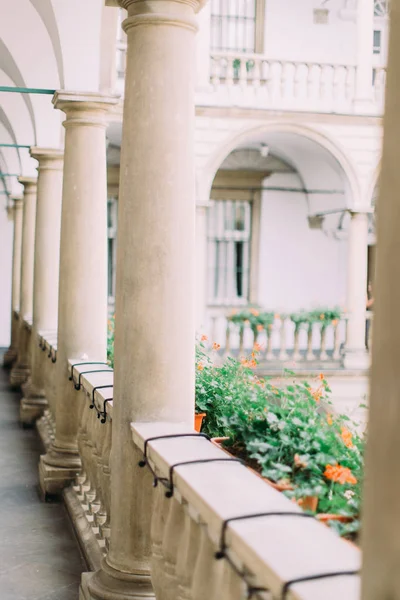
(290, 33)
(6, 232)
(299, 267)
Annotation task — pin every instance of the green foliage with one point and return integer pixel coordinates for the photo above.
(253, 317)
(323, 316)
(110, 340)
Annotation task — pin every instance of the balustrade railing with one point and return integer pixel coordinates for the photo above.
(283, 341)
(262, 81)
(258, 556)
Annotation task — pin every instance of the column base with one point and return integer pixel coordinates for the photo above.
(56, 471)
(356, 358)
(10, 357)
(110, 584)
(19, 375)
(31, 409)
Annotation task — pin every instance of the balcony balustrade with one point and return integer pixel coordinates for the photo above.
(284, 344)
(254, 80)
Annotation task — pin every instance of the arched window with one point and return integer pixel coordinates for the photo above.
(236, 25)
(381, 8)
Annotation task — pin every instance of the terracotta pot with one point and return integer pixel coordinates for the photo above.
(325, 517)
(198, 421)
(308, 503)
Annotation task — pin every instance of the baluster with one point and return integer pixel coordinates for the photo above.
(207, 569)
(187, 557)
(336, 340)
(232, 586)
(323, 355)
(230, 74)
(104, 527)
(90, 492)
(296, 344)
(339, 84)
(310, 354)
(241, 338)
(326, 84)
(215, 71)
(313, 78)
(159, 516)
(173, 536)
(274, 80)
(228, 338)
(257, 73)
(269, 355)
(243, 75)
(288, 80)
(300, 81)
(83, 480)
(265, 70)
(94, 505)
(282, 352)
(350, 82)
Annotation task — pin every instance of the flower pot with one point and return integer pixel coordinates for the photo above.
(308, 503)
(198, 421)
(325, 517)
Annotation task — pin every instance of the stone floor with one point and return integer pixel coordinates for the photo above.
(39, 555)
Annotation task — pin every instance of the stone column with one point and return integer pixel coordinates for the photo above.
(46, 268)
(155, 323)
(201, 266)
(82, 299)
(365, 28)
(356, 356)
(380, 510)
(21, 369)
(12, 351)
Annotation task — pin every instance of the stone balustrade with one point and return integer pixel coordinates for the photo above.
(256, 80)
(261, 553)
(283, 342)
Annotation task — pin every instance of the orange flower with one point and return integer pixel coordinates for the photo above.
(257, 347)
(204, 338)
(252, 364)
(329, 419)
(200, 367)
(321, 376)
(339, 474)
(277, 316)
(335, 322)
(347, 437)
(299, 463)
(317, 394)
(246, 322)
(216, 346)
(322, 317)
(260, 328)
(254, 312)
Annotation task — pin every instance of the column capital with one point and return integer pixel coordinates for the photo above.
(29, 183)
(83, 101)
(18, 202)
(154, 12)
(48, 158)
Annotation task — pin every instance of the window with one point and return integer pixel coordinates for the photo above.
(112, 248)
(229, 226)
(377, 42)
(121, 44)
(233, 25)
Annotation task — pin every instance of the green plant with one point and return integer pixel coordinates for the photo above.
(323, 316)
(256, 319)
(110, 340)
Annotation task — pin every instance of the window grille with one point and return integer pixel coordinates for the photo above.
(112, 247)
(229, 233)
(381, 8)
(377, 42)
(233, 25)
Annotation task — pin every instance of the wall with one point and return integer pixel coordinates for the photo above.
(299, 267)
(6, 232)
(290, 33)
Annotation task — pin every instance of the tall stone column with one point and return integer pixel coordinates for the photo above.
(11, 354)
(82, 299)
(21, 369)
(380, 511)
(356, 355)
(201, 266)
(155, 322)
(365, 28)
(46, 269)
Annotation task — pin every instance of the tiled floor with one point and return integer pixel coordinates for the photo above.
(39, 556)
